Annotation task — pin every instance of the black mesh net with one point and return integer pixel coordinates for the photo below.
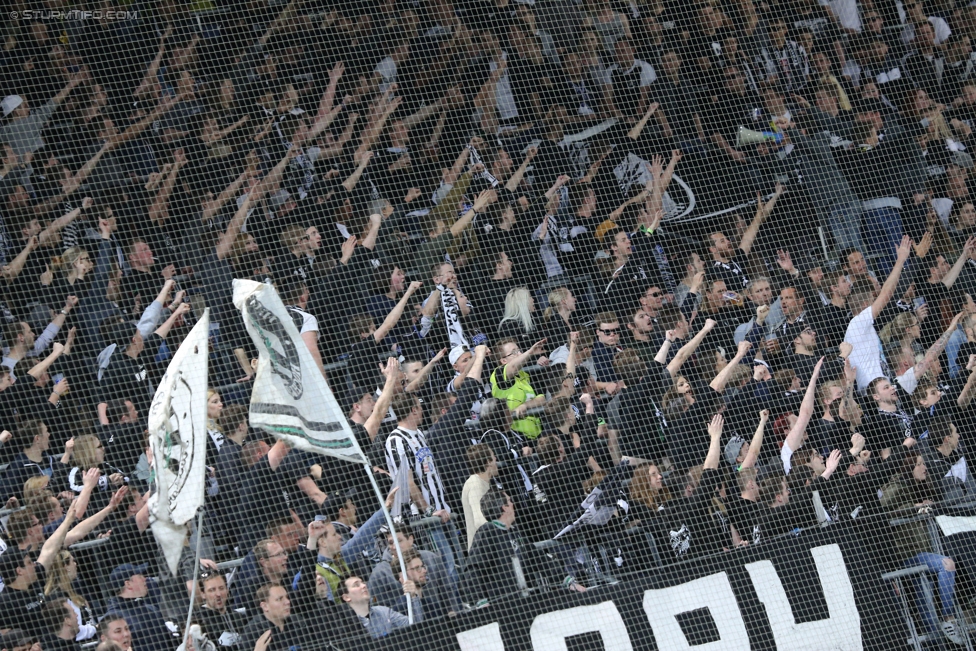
(487, 324)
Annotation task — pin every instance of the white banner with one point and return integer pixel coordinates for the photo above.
(290, 398)
(178, 440)
(953, 524)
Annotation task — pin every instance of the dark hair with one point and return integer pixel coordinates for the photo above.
(26, 434)
(53, 615)
(939, 429)
(403, 404)
(11, 331)
(382, 276)
(547, 449)
(770, 488)
(107, 621)
(231, 418)
(492, 503)
(554, 413)
(291, 290)
(479, 457)
(342, 589)
(495, 415)
(668, 317)
(116, 409)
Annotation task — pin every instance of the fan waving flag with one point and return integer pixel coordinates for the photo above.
(290, 399)
(178, 439)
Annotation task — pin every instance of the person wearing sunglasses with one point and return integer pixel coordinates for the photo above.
(606, 347)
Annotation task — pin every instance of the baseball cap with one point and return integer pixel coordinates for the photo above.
(11, 559)
(962, 159)
(123, 573)
(732, 449)
(334, 501)
(456, 353)
(9, 103)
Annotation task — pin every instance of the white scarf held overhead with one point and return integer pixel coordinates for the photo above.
(452, 316)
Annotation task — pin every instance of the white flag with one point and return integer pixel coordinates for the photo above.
(290, 398)
(178, 440)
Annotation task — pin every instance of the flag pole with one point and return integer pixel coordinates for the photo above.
(389, 523)
(196, 572)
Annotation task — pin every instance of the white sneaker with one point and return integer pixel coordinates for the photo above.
(950, 631)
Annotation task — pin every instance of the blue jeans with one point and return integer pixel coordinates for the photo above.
(439, 539)
(844, 222)
(923, 593)
(883, 230)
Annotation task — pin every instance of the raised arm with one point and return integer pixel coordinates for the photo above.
(61, 222)
(86, 526)
(391, 319)
(382, 406)
(54, 543)
(11, 271)
(634, 133)
(425, 372)
(226, 241)
(353, 179)
(689, 348)
(159, 210)
(150, 77)
(42, 366)
(163, 330)
(715, 442)
(967, 253)
(282, 17)
(485, 198)
(966, 395)
(762, 211)
(718, 384)
(517, 175)
(477, 366)
(891, 282)
(756, 444)
(215, 206)
(514, 366)
(373, 130)
(63, 94)
(794, 439)
(933, 353)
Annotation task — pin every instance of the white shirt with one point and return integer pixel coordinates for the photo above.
(304, 321)
(786, 456)
(846, 12)
(647, 74)
(387, 69)
(866, 356)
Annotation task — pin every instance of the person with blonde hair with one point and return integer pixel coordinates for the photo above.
(215, 433)
(560, 317)
(60, 579)
(90, 453)
(517, 322)
(905, 329)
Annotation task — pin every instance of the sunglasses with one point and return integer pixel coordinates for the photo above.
(610, 331)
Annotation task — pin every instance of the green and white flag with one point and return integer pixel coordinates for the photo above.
(178, 440)
(290, 398)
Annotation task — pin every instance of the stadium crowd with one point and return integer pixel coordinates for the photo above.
(508, 319)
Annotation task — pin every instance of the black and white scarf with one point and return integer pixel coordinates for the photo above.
(452, 316)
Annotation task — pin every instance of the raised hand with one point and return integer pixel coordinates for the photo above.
(91, 477)
(118, 497)
(904, 249)
(716, 426)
